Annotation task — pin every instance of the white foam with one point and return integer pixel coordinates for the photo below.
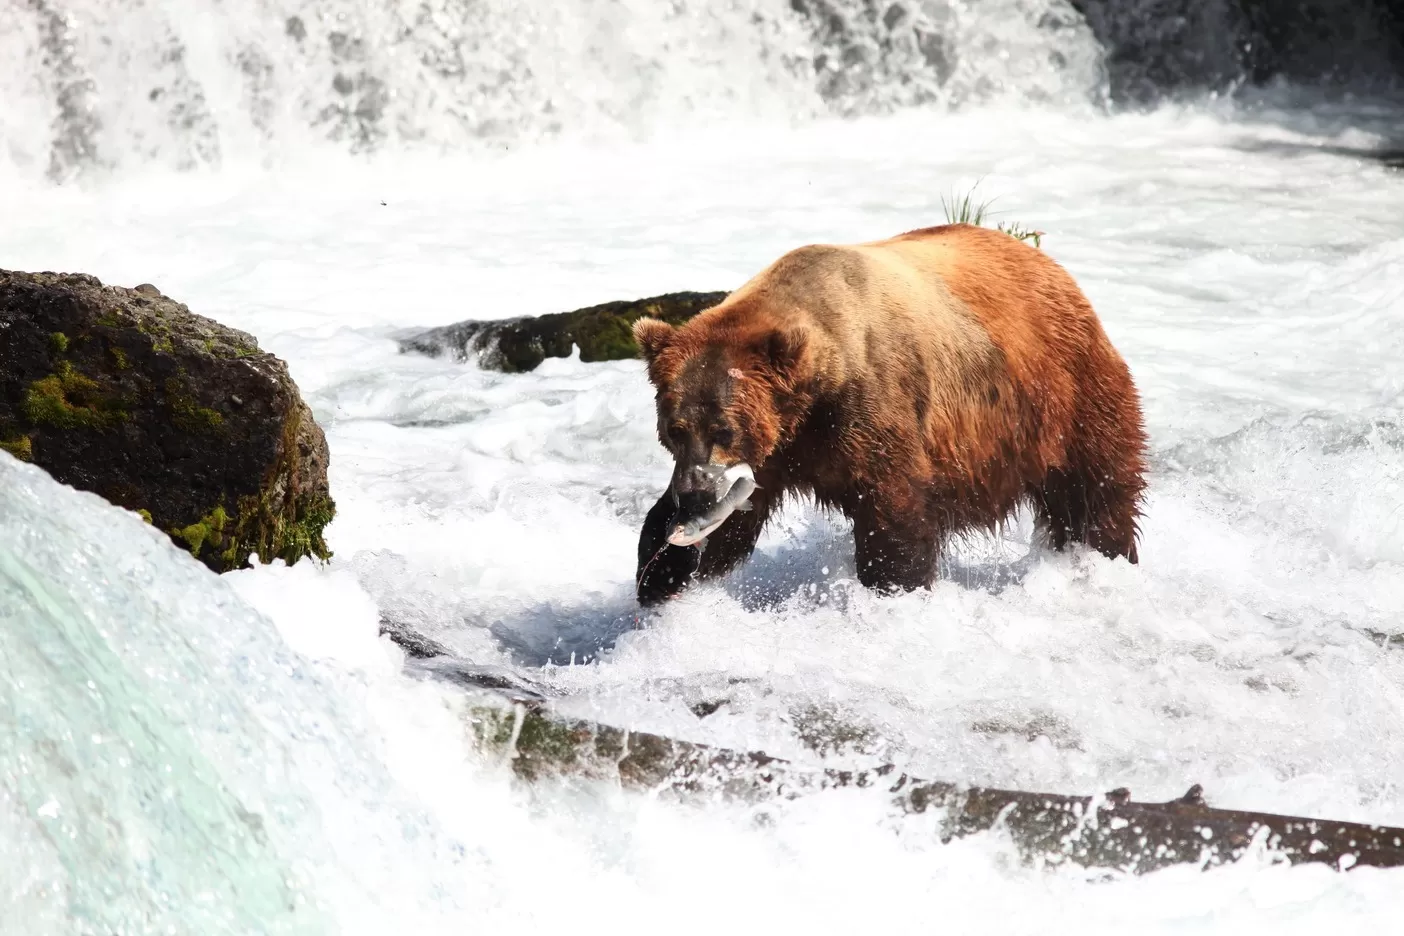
(189, 84)
(499, 513)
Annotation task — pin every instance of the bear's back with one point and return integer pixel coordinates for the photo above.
(950, 317)
(856, 291)
(954, 292)
(881, 307)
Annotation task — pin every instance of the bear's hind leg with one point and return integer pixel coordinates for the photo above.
(1089, 505)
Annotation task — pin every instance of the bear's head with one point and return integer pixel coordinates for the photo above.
(724, 394)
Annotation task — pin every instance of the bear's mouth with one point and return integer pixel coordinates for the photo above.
(733, 485)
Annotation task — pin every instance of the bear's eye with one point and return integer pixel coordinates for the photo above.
(677, 433)
(723, 438)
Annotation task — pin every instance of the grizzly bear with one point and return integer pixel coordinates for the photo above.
(924, 385)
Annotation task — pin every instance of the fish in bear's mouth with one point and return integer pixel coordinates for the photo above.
(734, 485)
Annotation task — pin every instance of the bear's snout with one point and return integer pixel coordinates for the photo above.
(692, 504)
(695, 479)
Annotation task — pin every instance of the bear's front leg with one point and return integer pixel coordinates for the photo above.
(663, 570)
(895, 544)
(733, 542)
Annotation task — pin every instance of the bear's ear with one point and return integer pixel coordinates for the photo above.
(652, 336)
(785, 348)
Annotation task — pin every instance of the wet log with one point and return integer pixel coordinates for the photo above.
(1109, 831)
(515, 345)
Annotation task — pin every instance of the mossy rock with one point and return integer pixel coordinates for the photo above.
(128, 394)
(602, 332)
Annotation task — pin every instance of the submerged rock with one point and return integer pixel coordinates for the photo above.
(1108, 831)
(128, 394)
(602, 332)
(514, 722)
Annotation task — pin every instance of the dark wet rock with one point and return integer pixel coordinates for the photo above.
(827, 730)
(128, 394)
(512, 721)
(416, 645)
(707, 707)
(1108, 831)
(495, 679)
(602, 332)
(1156, 48)
(428, 658)
(1386, 640)
(1031, 727)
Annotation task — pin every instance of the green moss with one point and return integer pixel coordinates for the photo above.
(185, 413)
(21, 448)
(606, 333)
(302, 535)
(611, 340)
(145, 514)
(268, 524)
(230, 540)
(547, 741)
(262, 528)
(291, 530)
(110, 320)
(120, 356)
(58, 341)
(158, 331)
(67, 399)
(543, 745)
(208, 529)
(228, 349)
(491, 726)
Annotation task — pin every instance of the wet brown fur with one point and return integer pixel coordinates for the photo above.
(923, 385)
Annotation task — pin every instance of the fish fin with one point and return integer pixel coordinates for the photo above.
(744, 506)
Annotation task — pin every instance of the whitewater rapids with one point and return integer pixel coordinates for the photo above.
(188, 753)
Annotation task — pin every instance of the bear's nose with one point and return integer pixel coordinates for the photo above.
(693, 479)
(694, 491)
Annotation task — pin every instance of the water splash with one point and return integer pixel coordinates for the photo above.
(167, 762)
(98, 86)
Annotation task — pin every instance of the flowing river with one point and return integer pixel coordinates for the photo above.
(186, 753)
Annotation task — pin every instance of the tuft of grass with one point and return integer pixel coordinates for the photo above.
(1019, 232)
(965, 209)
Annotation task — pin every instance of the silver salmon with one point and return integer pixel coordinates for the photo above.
(738, 481)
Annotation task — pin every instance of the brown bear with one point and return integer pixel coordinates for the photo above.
(923, 385)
